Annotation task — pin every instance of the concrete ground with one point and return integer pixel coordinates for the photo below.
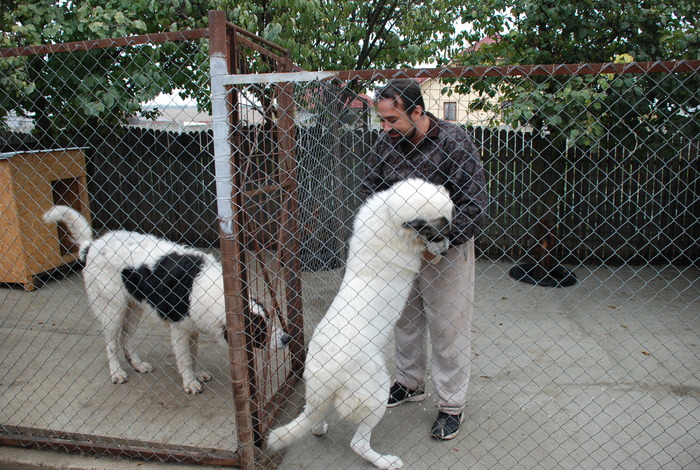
(604, 374)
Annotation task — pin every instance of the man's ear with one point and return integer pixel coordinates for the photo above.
(417, 112)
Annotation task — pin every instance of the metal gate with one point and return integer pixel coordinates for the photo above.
(255, 164)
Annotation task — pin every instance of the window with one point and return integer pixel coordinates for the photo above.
(451, 111)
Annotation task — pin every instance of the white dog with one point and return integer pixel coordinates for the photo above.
(345, 367)
(127, 271)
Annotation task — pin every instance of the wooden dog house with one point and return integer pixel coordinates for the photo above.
(30, 183)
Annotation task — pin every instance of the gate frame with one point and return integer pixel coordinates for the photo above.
(253, 417)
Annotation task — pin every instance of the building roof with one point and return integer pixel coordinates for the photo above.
(481, 42)
(361, 102)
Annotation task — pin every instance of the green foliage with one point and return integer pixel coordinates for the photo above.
(64, 91)
(361, 34)
(579, 110)
(105, 87)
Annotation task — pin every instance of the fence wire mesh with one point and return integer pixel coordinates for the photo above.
(599, 200)
(592, 181)
(93, 130)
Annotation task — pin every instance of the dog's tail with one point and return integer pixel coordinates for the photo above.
(78, 228)
(284, 436)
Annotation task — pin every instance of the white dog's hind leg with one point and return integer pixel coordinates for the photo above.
(131, 322)
(313, 417)
(361, 445)
(180, 340)
(368, 414)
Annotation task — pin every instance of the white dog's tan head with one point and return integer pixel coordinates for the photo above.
(424, 211)
(403, 221)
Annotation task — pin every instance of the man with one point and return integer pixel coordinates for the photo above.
(415, 143)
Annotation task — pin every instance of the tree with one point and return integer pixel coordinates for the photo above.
(371, 34)
(584, 31)
(66, 91)
(633, 112)
(63, 92)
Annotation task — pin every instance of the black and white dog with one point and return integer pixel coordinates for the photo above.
(127, 271)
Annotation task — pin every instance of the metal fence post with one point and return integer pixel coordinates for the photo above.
(229, 212)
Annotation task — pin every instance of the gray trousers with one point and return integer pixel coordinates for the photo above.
(440, 306)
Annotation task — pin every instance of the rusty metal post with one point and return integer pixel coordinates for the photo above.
(290, 239)
(289, 244)
(230, 211)
(235, 66)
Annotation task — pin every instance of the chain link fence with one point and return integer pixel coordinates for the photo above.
(586, 304)
(88, 125)
(592, 174)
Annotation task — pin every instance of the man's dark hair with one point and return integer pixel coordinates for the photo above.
(405, 89)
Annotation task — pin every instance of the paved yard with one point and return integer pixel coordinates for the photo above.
(604, 374)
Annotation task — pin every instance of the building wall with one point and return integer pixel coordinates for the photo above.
(437, 94)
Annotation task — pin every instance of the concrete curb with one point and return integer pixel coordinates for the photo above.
(15, 458)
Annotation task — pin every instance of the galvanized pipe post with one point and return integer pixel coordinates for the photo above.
(229, 210)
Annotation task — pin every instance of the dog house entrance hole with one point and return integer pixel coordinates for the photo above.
(66, 192)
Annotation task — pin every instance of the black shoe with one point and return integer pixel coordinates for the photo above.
(446, 426)
(399, 394)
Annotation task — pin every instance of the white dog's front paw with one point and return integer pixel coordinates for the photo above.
(320, 429)
(143, 367)
(388, 462)
(119, 377)
(194, 387)
(204, 376)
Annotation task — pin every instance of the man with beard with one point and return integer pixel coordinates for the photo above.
(414, 143)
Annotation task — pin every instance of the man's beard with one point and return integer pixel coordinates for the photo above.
(404, 138)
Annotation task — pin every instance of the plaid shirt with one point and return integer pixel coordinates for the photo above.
(446, 156)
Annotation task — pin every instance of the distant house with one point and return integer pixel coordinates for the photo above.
(362, 112)
(363, 101)
(444, 102)
(174, 118)
(17, 123)
(178, 115)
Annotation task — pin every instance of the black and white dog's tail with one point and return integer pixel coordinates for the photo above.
(78, 228)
